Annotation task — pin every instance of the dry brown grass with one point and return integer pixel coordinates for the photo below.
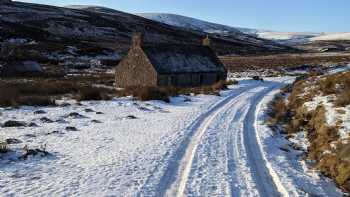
(93, 93)
(335, 165)
(279, 111)
(339, 85)
(163, 93)
(243, 63)
(43, 92)
(150, 93)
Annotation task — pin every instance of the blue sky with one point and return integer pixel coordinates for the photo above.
(279, 15)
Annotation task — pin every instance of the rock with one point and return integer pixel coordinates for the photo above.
(285, 148)
(30, 135)
(144, 109)
(32, 124)
(46, 120)
(62, 121)
(65, 105)
(75, 115)
(131, 117)
(40, 112)
(34, 152)
(89, 110)
(13, 141)
(186, 100)
(99, 113)
(71, 129)
(14, 123)
(54, 132)
(96, 121)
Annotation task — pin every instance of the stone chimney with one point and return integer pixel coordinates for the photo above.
(137, 39)
(206, 41)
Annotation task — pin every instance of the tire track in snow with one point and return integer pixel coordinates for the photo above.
(178, 187)
(154, 186)
(176, 165)
(267, 180)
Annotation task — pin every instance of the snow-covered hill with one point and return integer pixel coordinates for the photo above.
(217, 30)
(190, 23)
(208, 27)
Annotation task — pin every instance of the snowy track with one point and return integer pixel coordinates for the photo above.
(221, 155)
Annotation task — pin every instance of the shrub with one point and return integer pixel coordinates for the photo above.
(232, 82)
(96, 94)
(146, 93)
(3, 147)
(221, 85)
(343, 99)
(13, 97)
(327, 86)
(36, 101)
(279, 111)
(8, 96)
(257, 78)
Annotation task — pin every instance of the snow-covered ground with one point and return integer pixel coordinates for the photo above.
(193, 146)
(332, 36)
(287, 37)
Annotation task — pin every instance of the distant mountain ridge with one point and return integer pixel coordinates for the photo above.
(280, 37)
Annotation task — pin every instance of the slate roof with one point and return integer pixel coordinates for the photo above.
(176, 59)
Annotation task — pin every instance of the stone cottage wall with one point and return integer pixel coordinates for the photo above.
(135, 70)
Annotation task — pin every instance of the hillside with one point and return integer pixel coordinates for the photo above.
(315, 117)
(217, 30)
(67, 36)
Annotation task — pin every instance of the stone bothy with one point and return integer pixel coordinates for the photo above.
(169, 65)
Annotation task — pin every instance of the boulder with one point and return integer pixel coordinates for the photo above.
(71, 129)
(13, 141)
(14, 123)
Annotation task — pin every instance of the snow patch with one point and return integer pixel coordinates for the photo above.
(335, 116)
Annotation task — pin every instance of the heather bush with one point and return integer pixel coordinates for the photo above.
(3, 147)
(92, 93)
